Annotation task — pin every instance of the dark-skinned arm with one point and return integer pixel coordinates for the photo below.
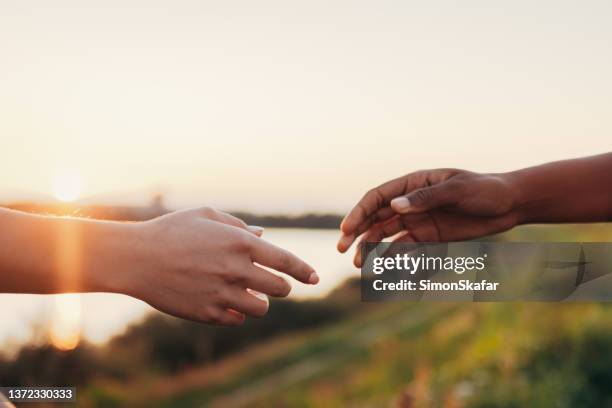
(444, 205)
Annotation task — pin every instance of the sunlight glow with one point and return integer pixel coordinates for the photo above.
(67, 185)
(65, 330)
(65, 333)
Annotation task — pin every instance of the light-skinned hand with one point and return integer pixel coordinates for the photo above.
(208, 266)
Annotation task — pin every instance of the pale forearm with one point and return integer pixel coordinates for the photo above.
(196, 264)
(40, 254)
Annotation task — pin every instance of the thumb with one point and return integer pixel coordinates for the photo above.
(425, 199)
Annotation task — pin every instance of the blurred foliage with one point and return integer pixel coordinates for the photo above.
(44, 364)
(169, 345)
(567, 370)
(164, 344)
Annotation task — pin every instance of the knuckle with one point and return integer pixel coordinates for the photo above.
(237, 277)
(418, 174)
(282, 288)
(242, 242)
(453, 171)
(208, 212)
(374, 193)
(284, 259)
(278, 287)
(221, 297)
(423, 196)
(212, 315)
(456, 186)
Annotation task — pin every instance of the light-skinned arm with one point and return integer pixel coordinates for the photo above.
(195, 264)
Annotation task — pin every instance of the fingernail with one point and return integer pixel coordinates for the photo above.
(400, 204)
(313, 279)
(256, 230)
(259, 295)
(345, 242)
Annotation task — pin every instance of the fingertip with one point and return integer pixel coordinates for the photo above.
(313, 279)
(306, 274)
(345, 242)
(311, 275)
(357, 260)
(359, 254)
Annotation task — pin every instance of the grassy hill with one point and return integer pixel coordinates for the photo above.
(409, 355)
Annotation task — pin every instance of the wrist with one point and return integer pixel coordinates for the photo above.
(113, 256)
(516, 190)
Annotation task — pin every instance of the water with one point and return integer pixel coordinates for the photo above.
(103, 315)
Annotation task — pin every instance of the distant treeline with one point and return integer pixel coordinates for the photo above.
(156, 208)
(322, 221)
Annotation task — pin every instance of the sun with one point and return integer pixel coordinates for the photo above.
(67, 185)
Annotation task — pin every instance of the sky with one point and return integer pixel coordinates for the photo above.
(280, 106)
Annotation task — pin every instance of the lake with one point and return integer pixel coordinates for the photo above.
(100, 316)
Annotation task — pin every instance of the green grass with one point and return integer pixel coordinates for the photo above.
(324, 353)
(478, 354)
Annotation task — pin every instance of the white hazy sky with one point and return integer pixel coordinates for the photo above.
(293, 106)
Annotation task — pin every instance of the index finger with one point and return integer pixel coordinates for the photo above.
(374, 200)
(374, 207)
(267, 254)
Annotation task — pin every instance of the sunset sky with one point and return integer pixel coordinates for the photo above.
(277, 106)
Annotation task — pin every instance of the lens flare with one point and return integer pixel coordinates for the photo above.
(65, 330)
(67, 185)
(65, 333)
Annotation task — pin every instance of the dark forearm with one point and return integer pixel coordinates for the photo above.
(578, 190)
(40, 254)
